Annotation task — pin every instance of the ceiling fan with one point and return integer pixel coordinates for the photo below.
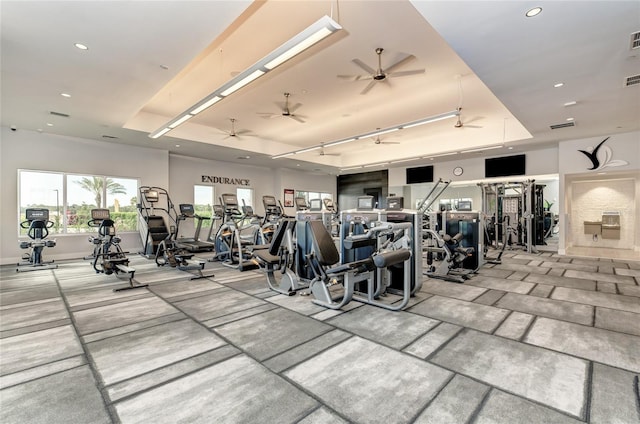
(323, 153)
(233, 132)
(378, 140)
(380, 74)
(287, 111)
(460, 124)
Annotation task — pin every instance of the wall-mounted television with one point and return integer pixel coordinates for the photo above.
(421, 174)
(504, 166)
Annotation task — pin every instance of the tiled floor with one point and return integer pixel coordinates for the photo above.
(540, 338)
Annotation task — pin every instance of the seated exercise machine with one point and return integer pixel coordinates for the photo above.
(280, 256)
(108, 257)
(363, 280)
(450, 254)
(37, 221)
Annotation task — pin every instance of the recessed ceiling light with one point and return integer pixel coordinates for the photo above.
(165, 67)
(81, 46)
(67, 95)
(558, 85)
(49, 124)
(570, 119)
(510, 147)
(533, 12)
(177, 145)
(571, 103)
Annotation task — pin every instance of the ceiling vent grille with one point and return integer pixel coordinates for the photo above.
(568, 124)
(63, 115)
(635, 40)
(632, 80)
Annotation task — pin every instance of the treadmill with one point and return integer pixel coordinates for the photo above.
(194, 244)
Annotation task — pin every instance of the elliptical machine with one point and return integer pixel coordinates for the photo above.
(108, 256)
(37, 221)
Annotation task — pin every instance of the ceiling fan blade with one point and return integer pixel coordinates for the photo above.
(406, 73)
(294, 107)
(389, 142)
(364, 66)
(368, 87)
(297, 118)
(353, 77)
(399, 63)
(268, 115)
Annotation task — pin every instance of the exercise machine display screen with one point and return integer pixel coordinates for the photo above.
(395, 203)
(186, 209)
(151, 196)
(365, 203)
(269, 201)
(100, 214)
(37, 214)
(301, 204)
(230, 200)
(315, 205)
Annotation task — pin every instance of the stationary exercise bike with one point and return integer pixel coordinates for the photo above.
(37, 221)
(108, 257)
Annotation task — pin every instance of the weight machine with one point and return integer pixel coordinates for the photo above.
(38, 224)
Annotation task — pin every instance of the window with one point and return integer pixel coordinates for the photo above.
(203, 200)
(308, 195)
(245, 194)
(70, 198)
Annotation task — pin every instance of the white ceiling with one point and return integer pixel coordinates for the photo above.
(149, 61)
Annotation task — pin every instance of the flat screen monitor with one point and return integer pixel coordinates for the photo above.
(422, 174)
(301, 204)
(504, 166)
(230, 200)
(464, 205)
(315, 205)
(365, 203)
(395, 203)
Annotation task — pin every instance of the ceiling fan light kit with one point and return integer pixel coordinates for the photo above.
(318, 31)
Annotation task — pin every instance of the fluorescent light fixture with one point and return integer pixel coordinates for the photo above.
(283, 155)
(67, 95)
(81, 46)
(571, 103)
(375, 164)
(570, 119)
(352, 168)
(205, 105)
(319, 30)
(427, 120)
(482, 149)
(439, 155)
(404, 160)
(558, 85)
(310, 149)
(337, 143)
(160, 133)
(180, 121)
(533, 12)
(431, 119)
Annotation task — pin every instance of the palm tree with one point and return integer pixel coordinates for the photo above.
(95, 185)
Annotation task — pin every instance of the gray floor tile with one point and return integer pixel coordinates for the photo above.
(606, 269)
(541, 290)
(121, 314)
(89, 297)
(620, 279)
(567, 311)
(132, 354)
(457, 291)
(514, 326)
(67, 397)
(621, 321)
(273, 332)
(215, 322)
(218, 304)
(500, 284)
(253, 286)
(628, 290)
(430, 342)
(473, 315)
(574, 283)
(606, 287)
(370, 383)
(613, 398)
(175, 289)
(538, 374)
(523, 268)
(132, 327)
(34, 328)
(490, 297)
(493, 272)
(502, 407)
(53, 310)
(24, 296)
(517, 276)
(448, 407)
(606, 300)
(608, 347)
(300, 304)
(556, 272)
(253, 395)
(34, 349)
(322, 416)
(591, 267)
(130, 387)
(628, 272)
(303, 352)
(394, 330)
(41, 371)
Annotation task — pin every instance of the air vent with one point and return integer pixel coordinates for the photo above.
(63, 115)
(113, 137)
(568, 124)
(635, 40)
(632, 80)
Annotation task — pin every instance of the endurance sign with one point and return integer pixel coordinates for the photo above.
(224, 180)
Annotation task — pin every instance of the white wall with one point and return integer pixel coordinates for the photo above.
(574, 166)
(40, 151)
